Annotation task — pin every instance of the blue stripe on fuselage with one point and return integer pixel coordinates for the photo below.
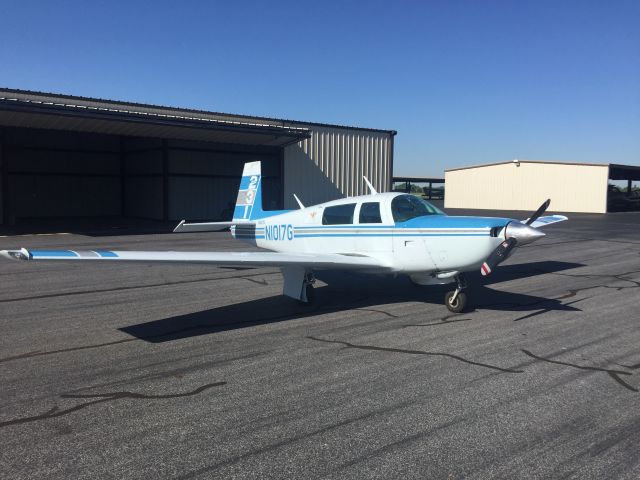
(322, 235)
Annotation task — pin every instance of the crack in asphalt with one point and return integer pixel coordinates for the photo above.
(55, 412)
(137, 287)
(415, 352)
(40, 353)
(443, 321)
(630, 367)
(253, 280)
(581, 239)
(390, 315)
(571, 292)
(618, 276)
(614, 374)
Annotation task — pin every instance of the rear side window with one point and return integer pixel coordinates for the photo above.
(370, 213)
(338, 215)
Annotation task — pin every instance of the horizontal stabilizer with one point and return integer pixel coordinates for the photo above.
(184, 227)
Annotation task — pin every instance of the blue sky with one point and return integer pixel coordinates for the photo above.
(463, 82)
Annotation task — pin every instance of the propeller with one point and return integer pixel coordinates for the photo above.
(498, 256)
(540, 211)
(515, 233)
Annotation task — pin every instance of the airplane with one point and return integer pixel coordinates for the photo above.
(379, 233)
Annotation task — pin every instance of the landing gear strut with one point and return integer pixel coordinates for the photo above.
(456, 300)
(309, 291)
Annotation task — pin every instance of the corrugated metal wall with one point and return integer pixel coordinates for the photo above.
(571, 188)
(331, 164)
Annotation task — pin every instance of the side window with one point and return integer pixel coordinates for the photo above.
(370, 213)
(338, 215)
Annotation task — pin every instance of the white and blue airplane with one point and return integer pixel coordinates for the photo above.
(378, 233)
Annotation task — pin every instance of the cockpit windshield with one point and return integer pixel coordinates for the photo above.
(406, 207)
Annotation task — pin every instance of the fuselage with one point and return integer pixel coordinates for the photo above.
(387, 226)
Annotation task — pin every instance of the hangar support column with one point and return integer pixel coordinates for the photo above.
(123, 178)
(165, 179)
(4, 184)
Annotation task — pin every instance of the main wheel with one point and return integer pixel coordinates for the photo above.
(458, 304)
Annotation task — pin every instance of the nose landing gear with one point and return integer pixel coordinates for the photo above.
(456, 300)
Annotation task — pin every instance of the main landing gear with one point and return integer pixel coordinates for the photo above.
(309, 291)
(456, 300)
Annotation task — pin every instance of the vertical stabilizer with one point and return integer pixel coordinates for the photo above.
(249, 203)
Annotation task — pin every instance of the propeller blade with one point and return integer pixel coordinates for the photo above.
(539, 212)
(498, 256)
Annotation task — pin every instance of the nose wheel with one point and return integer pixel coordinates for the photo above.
(456, 300)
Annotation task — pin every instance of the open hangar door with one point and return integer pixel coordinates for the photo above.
(623, 190)
(200, 179)
(78, 178)
(49, 174)
(71, 162)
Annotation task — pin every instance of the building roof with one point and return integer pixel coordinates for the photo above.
(616, 171)
(506, 162)
(23, 108)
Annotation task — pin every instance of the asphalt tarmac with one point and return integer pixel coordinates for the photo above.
(191, 371)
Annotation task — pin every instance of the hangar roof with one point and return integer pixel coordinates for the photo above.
(624, 172)
(20, 108)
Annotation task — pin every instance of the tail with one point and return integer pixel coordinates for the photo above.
(248, 206)
(249, 202)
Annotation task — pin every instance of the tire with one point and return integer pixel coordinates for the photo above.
(459, 304)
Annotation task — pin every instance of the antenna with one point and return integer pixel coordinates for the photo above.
(373, 190)
(298, 200)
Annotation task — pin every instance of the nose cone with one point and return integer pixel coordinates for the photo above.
(523, 233)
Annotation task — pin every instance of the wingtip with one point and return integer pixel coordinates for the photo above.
(22, 254)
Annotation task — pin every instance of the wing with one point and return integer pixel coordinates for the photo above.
(275, 259)
(543, 221)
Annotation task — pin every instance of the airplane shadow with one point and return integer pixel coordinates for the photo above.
(350, 291)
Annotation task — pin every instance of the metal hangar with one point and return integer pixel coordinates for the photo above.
(70, 157)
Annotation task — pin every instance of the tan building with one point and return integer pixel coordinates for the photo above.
(525, 184)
